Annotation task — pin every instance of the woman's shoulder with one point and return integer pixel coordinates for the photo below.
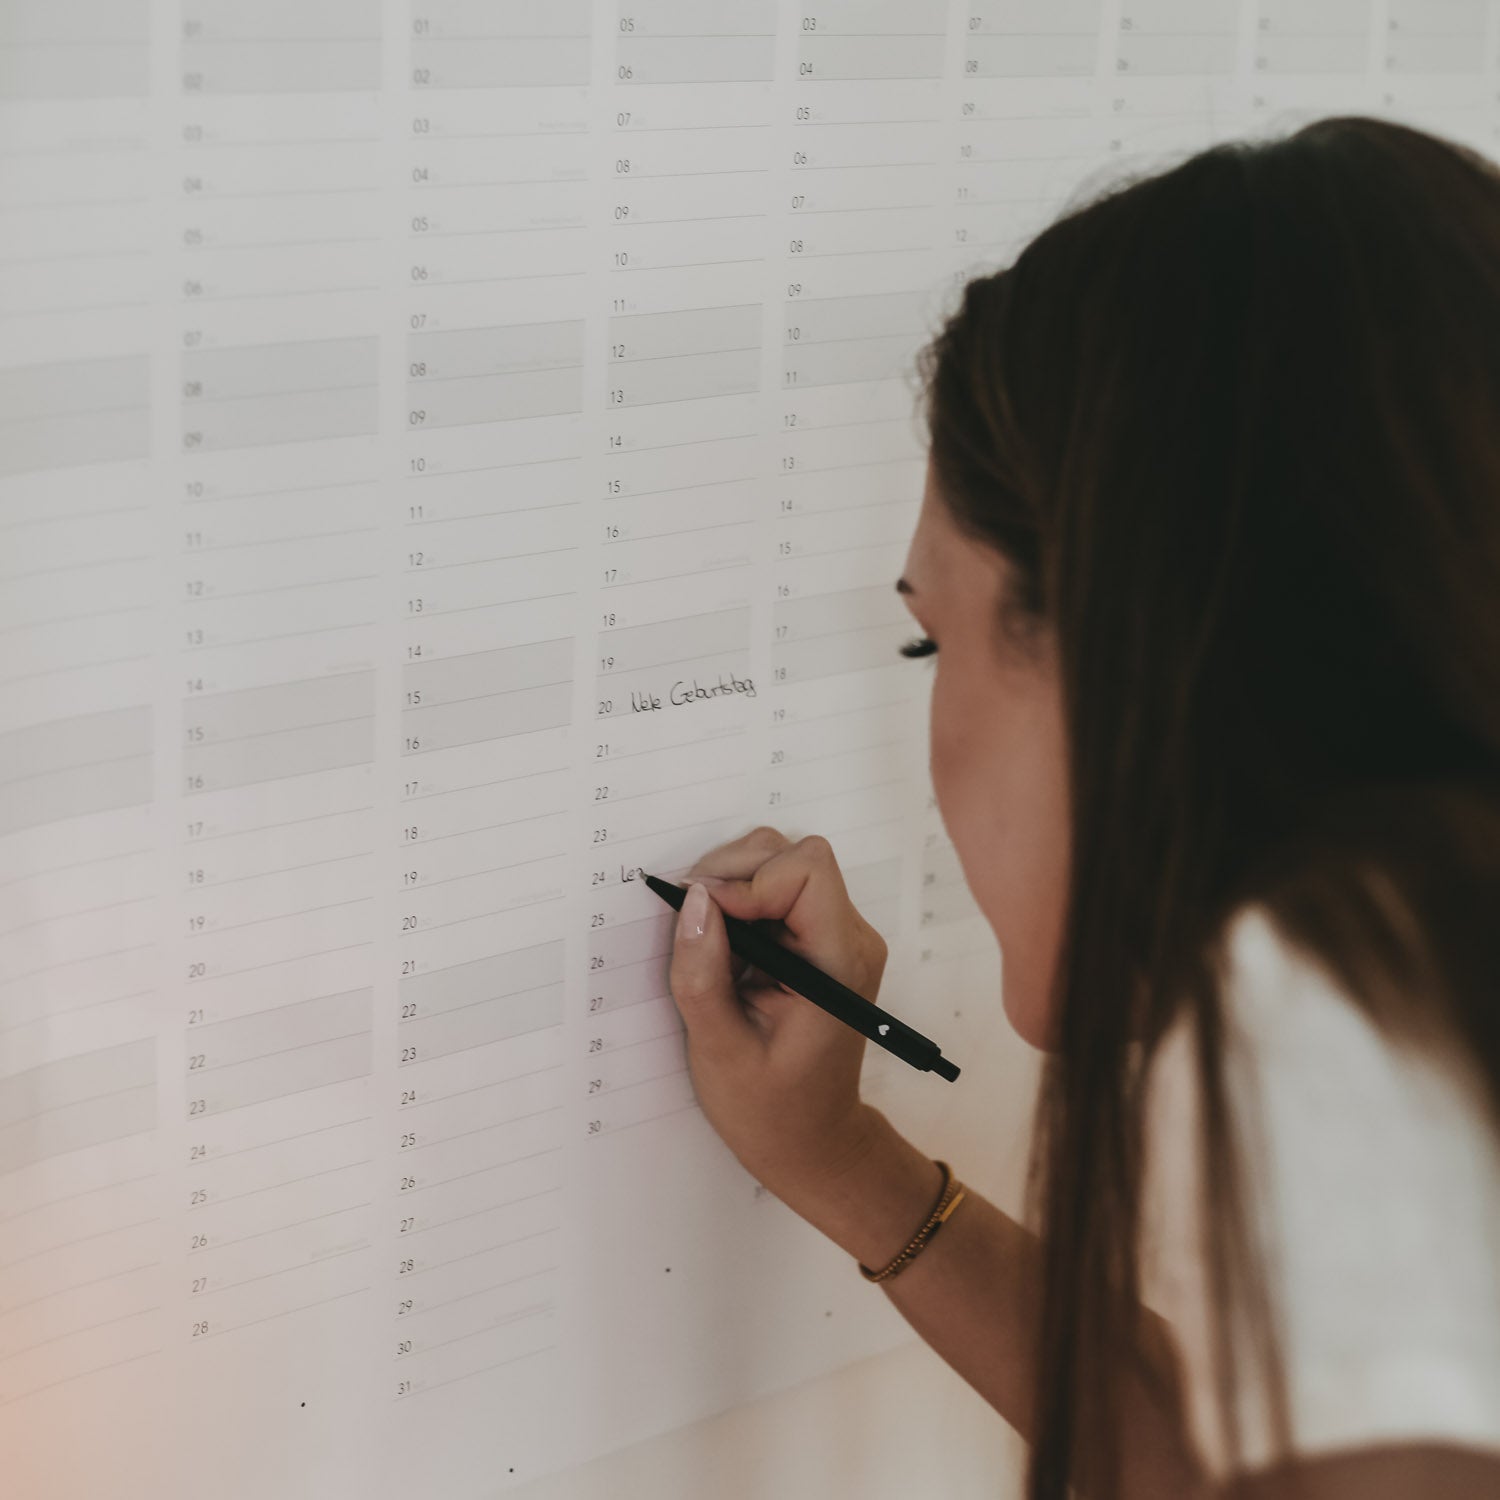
(1372, 1179)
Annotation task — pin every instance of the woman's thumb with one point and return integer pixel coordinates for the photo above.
(702, 979)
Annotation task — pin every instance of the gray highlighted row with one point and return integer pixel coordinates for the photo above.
(287, 729)
(71, 412)
(1062, 56)
(75, 1103)
(835, 320)
(261, 1034)
(693, 637)
(678, 356)
(68, 768)
(503, 349)
(487, 695)
(486, 1000)
(255, 395)
(699, 330)
(75, 49)
(272, 1054)
(495, 374)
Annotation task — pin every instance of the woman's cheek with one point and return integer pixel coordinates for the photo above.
(945, 739)
(998, 784)
(963, 765)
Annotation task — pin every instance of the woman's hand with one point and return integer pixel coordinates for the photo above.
(777, 1076)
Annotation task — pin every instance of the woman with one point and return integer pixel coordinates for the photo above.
(1209, 561)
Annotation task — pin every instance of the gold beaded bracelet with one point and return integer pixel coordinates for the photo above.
(951, 1196)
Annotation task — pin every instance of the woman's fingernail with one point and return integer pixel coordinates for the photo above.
(694, 913)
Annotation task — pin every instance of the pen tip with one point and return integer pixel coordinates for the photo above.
(668, 892)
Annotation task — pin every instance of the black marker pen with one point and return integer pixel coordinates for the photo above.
(750, 940)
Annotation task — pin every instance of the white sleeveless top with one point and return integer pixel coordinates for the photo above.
(1378, 1192)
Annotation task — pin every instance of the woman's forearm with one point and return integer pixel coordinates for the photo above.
(974, 1294)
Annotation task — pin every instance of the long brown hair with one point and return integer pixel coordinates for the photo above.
(1237, 428)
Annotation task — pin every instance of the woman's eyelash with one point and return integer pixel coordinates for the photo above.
(923, 645)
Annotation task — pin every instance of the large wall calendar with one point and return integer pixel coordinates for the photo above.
(453, 454)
